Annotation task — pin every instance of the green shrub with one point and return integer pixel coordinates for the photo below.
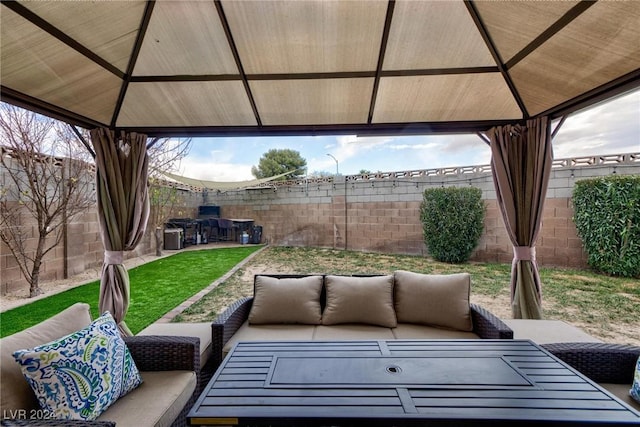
(453, 221)
(607, 217)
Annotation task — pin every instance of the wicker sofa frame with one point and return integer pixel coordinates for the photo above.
(601, 362)
(485, 324)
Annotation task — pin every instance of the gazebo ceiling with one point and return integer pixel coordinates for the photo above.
(303, 67)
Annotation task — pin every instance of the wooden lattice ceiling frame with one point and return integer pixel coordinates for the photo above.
(252, 82)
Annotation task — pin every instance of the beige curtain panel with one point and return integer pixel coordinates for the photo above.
(521, 164)
(123, 211)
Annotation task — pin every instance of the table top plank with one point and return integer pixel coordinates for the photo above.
(262, 392)
(327, 383)
(327, 401)
(482, 402)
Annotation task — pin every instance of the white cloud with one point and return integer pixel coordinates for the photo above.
(609, 128)
(399, 147)
(347, 147)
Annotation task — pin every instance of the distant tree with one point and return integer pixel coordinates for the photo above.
(277, 161)
(364, 171)
(48, 181)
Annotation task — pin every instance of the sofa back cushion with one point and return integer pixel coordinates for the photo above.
(15, 392)
(286, 300)
(367, 300)
(431, 299)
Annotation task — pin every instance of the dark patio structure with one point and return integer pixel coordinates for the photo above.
(505, 70)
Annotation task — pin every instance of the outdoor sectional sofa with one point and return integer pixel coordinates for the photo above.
(404, 305)
(169, 367)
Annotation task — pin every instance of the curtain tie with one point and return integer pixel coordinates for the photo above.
(524, 253)
(113, 257)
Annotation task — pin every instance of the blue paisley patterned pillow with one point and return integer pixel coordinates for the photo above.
(635, 388)
(80, 375)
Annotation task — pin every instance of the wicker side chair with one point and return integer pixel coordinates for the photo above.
(168, 353)
(610, 365)
(151, 353)
(601, 362)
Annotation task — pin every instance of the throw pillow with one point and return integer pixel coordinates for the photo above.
(287, 300)
(432, 299)
(15, 392)
(80, 375)
(635, 387)
(366, 300)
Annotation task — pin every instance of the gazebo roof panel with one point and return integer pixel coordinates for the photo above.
(64, 77)
(512, 25)
(276, 37)
(107, 28)
(184, 39)
(313, 101)
(434, 35)
(444, 98)
(216, 103)
(300, 67)
(599, 46)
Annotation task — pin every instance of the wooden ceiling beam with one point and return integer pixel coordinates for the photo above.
(62, 37)
(496, 56)
(562, 22)
(236, 57)
(383, 49)
(144, 24)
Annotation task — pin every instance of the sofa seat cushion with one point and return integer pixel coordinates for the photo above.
(409, 331)
(621, 391)
(156, 402)
(547, 331)
(15, 392)
(288, 332)
(199, 330)
(351, 331)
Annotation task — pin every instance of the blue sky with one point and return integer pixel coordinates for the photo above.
(609, 128)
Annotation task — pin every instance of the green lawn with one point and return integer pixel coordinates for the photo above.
(604, 306)
(156, 288)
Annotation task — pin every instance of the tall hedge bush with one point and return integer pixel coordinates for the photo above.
(607, 217)
(453, 221)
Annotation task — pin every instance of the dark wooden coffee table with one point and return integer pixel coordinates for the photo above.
(402, 383)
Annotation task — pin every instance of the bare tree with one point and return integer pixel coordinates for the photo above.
(47, 181)
(165, 198)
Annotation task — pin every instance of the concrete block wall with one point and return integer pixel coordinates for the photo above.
(377, 213)
(84, 251)
(383, 215)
